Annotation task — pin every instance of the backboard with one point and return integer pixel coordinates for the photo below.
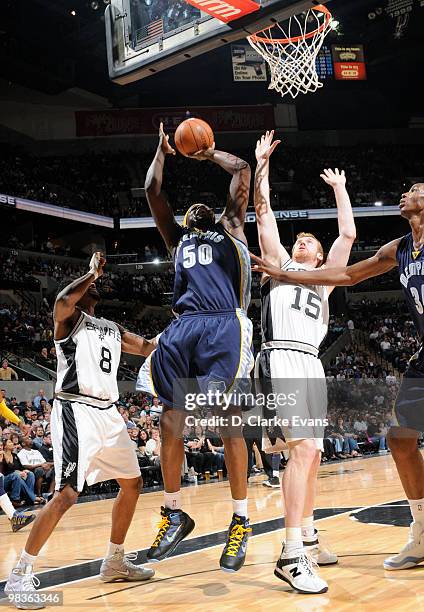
(147, 36)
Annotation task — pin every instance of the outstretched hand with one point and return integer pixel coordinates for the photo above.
(203, 154)
(164, 142)
(265, 147)
(261, 266)
(334, 177)
(97, 263)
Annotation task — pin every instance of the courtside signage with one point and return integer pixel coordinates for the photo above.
(225, 10)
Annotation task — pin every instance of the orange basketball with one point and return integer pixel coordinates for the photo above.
(193, 135)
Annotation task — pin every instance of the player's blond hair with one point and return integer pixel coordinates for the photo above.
(320, 248)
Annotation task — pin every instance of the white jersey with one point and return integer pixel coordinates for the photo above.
(294, 316)
(88, 361)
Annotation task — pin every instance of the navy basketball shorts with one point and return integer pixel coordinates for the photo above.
(205, 351)
(409, 405)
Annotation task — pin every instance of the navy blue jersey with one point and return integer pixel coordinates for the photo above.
(212, 271)
(411, 272)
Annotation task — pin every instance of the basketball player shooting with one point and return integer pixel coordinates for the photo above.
(294, 323)
(209, 342)
(407, 254)
(90, 439)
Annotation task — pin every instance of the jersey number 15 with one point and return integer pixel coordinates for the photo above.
(312, 307)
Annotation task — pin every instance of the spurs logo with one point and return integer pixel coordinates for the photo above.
(69, 469)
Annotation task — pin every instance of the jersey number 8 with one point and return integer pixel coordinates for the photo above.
(106, 360)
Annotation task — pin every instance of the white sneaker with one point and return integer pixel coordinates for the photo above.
(296, 568)
(319, 552)
(119, 567)
(412, 553)
(23, 582)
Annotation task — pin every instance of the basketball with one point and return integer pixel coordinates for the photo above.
(193, 135)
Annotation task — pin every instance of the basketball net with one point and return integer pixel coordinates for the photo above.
(291, 50)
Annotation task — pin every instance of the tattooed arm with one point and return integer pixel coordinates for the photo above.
(235, 211)
(269, 238)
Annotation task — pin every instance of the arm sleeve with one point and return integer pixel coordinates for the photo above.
(6, 413)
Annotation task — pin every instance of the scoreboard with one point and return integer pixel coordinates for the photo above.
(342, 63)
(324, 63)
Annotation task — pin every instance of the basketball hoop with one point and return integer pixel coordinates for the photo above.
(291, 50)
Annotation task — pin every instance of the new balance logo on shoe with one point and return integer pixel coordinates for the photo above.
(295, 572)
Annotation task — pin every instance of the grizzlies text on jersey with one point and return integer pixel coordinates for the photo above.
(212, 271)
(411, 276)
(409, 406)
(210, 342)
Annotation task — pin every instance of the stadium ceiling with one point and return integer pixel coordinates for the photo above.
(44, 46)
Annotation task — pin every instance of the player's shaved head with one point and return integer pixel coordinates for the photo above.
(412, 201)
(199, 216)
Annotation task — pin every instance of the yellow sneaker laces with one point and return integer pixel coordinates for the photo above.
(235, 539)
(162, 526)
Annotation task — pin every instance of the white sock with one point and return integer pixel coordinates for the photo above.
(308, 529)
(7, 506)
(112, 549)
(275, 473)
(417, 510)
(26, 559)
(240, 507)
(294, 540)
(172, 500)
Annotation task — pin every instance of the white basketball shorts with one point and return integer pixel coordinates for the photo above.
(90, 445)
(295, 385)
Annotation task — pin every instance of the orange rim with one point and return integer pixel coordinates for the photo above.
(320, 8)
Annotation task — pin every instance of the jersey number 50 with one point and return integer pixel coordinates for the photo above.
(203, 255)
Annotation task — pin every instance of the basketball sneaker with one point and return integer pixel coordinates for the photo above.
(120, 567)
(297, 569)
(272, 483)
(174, 526)
(234, 553)
(319, 551)
(23, 582)
(19, 521)
(412, 553)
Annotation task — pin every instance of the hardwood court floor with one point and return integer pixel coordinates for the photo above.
(361, 505)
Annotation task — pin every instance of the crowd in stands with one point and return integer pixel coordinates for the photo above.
(102, 182)
(359, 416)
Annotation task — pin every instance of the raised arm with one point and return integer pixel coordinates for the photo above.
(65, 305)
(234, 214)
(160, 208)
(340, 251)
(383, 261)
(269, 239)
(134, 344)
